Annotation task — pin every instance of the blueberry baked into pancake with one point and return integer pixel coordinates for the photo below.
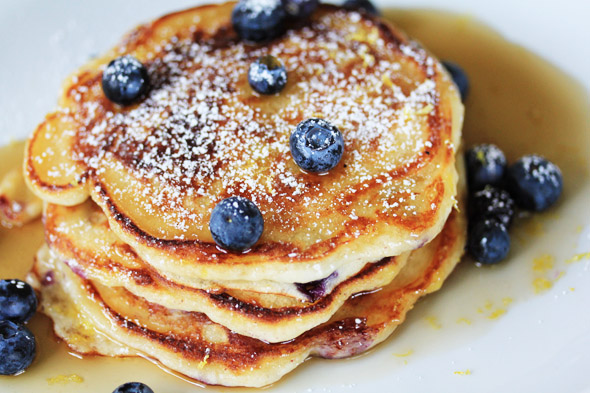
(237, 187)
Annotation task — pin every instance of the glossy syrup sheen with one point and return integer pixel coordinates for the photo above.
(517, 100)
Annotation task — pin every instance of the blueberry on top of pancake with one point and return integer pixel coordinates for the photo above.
(158, 168)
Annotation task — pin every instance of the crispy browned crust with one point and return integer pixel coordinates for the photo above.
(352, 331)
(148, 277)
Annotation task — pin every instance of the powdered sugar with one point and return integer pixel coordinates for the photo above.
(201, 133)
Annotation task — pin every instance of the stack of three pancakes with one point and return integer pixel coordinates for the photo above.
(343, 255)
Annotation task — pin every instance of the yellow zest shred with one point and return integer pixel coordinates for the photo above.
(497, 313)
(203, 362)
(578, 257)
(386, 80)
(464, 320)
(403, 355)
(541, 284)
(425, 110)
(433, 322)
(543, 263)
(362, 36)
(64, 379)
(466, 372)
(359, 36)
(480, 156)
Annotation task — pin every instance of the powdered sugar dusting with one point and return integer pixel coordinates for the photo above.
(202, 134)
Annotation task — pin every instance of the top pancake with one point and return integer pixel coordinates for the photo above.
(158, 168)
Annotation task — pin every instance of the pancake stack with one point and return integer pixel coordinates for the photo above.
(130, 267)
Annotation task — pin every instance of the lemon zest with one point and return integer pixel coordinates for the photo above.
(497, 313)
(425, 110)
(578, 257)
(203, 362)
(541, 284)
(64, 379)
(387, 80)
(433, 322)
(543, 263)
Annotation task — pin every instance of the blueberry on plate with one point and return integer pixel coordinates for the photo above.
(459, 77)
(362, 5)
(492, 203)
(267, 75)
(17, 348)
(534, 182)
(300, 9)
(236, 223)
(133, 387)
(316, 145)
(18, 301)
(125, 80)
(486, 164)
(259, 20)
(488, 241)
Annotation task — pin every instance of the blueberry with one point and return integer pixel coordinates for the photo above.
(18, 301)
(361, 5)
(534, 182)
(300, 9)
(133, 387)
(459, 77)
(267, 75)
(125, 80)
(259, 20)
(17, 348)
(316, 145)
(492, 203)
(488, 241)
(236, 223)
(486, 164)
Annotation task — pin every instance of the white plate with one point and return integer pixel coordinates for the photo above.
(541, 343)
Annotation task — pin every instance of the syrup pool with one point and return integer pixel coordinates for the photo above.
(524, 105)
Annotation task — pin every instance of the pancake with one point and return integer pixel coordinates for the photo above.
(83, 230)
(193, 345)
(82, 233)
(80, 236)
(159, 167)
(18, 205)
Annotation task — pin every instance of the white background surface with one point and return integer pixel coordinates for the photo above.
(542, 344)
